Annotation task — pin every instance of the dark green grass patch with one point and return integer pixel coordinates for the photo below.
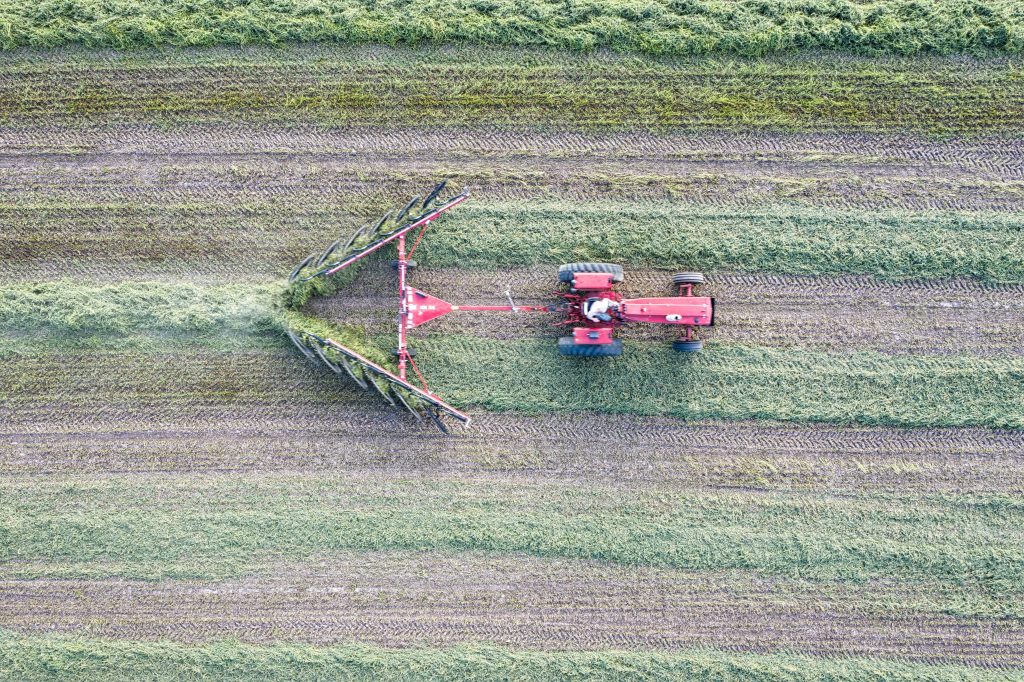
(784, 238)
(746, 27)
(58, 657)
(219, 526)
(730, 382)
(452, 86)
(781, 239)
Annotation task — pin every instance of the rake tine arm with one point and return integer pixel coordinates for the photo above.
(355, 236)
(384, 394)
(436, 191)
(298, 268)
(301, 346)
(405, 210)
(380, 223)
(323, 357)
(405, 403)
(435, 417)
(351, 372)
(327, 253)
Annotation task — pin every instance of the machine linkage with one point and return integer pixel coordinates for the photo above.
(366, 374)
(375, 236)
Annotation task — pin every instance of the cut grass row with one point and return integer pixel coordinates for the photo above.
(49, 657)
(461, 86)
(730, 382)
(83, 310)
(270, 238)
(209, 527)
(157, 367)
(657, 27)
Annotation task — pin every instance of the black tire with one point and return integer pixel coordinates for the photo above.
(408, 266)
(688, 278)
(687, 346)
(568, 346)
(410, 351)
(565, 272)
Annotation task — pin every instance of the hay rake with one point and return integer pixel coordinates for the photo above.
(395, 389)
(590, 306)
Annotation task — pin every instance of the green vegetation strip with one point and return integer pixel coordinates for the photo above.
(730, 382)
(69, 307)
(722, 382)
(214, 527)
(511, 87)
(783, 238)
(53, 657)
(657, 27)
(780, 239)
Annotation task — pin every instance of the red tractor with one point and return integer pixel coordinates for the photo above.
(589, 305)
(595, 309)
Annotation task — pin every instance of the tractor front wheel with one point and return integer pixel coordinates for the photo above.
(688, 278)
(566, 272)
(567, 346)
(687, 346)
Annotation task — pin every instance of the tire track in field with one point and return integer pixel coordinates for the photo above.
(438, 599)
(828, 313)
(251, 436)
(258, 162)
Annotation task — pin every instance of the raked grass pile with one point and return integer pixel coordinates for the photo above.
(30, 658)
(658, 27)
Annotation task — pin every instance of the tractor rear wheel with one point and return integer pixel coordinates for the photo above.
(566, 272)
(688, 278)
(409, 265)
(567, 346)
(687, 346)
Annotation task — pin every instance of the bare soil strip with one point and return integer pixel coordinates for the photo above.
(264, 162)
(254, 198)
(437, 599)
(612, 450)
(836, 314)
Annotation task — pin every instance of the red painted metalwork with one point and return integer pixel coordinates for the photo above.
(683, 310)
(592, 336)
(422, 222)
(592, 281)
(425, 395)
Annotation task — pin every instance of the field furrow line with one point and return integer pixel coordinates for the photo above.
(436, 599)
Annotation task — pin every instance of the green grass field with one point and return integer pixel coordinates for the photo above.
(831, 490)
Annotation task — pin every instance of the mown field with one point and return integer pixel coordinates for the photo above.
(833, 489)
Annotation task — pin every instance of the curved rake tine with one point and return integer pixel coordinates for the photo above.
(301, 346)
(405, 403)
(383, 393)
(380, 223)
(405, 210)
(436, 418)
(298, 269)
(348, 368)
(354, 237)
(323, 356)
(327, 253)
(433, 195)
